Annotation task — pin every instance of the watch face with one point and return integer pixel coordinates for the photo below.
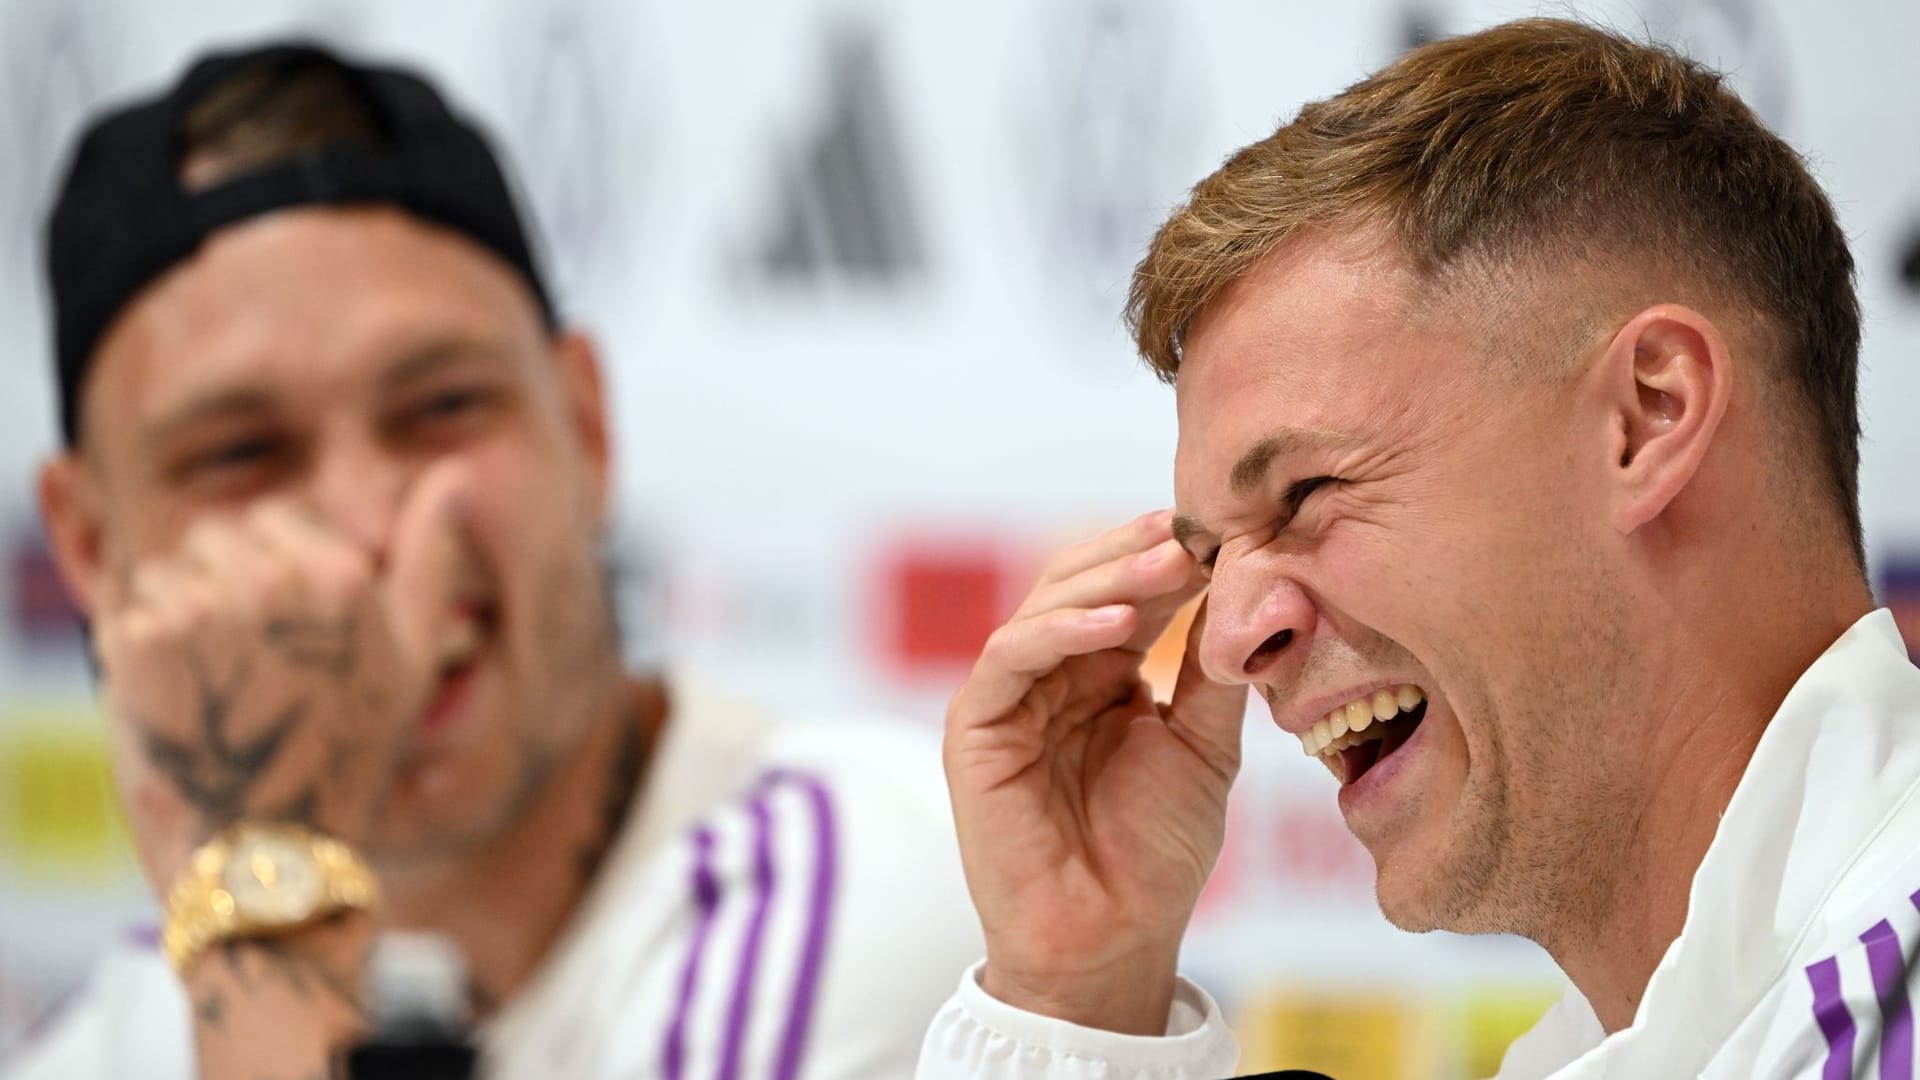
(273, 880)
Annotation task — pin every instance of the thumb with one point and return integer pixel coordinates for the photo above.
(425, 556)
(1211, 712)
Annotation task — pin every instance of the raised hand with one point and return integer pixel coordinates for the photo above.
(1089, 815)
(271, 669)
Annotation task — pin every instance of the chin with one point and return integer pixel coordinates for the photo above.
(435, 810)
(1444, 892)
(1408, 905)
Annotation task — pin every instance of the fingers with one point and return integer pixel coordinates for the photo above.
(1213, 713)
(1020, 653)
(334, 572)
(1159, 568)
(1118, 590)
(224, 554)
(425, 556)
(1157, 581)
(1137, 535)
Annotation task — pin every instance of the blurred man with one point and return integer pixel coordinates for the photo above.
(1517, 463)
(331, 498)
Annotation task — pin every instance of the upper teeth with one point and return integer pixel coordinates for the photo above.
(1354, 722)
(461, 642)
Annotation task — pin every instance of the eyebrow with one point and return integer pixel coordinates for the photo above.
(231, 402)
(241, 401)
(1186, 528)
(423, 361)
(1252, 467)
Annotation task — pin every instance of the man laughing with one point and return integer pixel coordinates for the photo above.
(332, 494)
(1518, 441)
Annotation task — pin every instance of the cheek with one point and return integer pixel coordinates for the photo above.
(144, 525)
(1436, 597)
(533, 523)
(525, 501)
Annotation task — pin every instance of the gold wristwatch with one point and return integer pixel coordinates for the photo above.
(258, 880)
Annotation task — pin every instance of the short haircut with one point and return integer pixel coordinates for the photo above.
(271, 111)
(1528, 145)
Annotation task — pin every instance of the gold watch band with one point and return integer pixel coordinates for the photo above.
(258, 880)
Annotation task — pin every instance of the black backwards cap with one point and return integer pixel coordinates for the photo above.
(123, 217)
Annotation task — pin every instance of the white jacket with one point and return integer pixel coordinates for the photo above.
(1799, 955)
(785, 903)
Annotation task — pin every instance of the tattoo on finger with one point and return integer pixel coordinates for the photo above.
(331, 646)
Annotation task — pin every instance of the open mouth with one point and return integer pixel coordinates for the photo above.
(1356, 736)
(461, 650)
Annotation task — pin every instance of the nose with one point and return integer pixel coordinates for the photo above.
(1258, 619)
(357, 488)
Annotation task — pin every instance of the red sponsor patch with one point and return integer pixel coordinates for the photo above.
(42, 611)
(936, 600)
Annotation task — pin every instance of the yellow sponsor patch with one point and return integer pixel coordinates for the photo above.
(1343, 1033)
(59, 815)
(1435, 1033)
(1493, 1017)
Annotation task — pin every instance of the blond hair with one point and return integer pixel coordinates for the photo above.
(1531, 141)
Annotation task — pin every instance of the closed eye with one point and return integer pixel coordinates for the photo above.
(228, 457)
(452, 412)
(450, 403)
(1296, 497)
(1298, 493)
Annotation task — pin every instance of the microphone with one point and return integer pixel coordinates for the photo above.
(421, 1024)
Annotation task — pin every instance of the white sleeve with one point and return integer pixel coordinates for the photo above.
(131, 1018)
(977, 1037)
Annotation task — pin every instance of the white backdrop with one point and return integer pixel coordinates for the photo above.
(856, 268)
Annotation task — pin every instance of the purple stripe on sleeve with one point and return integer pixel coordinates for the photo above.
(750, 953)
(706, 897)
(1889, 966)
(1836, 1023)
(820, 906)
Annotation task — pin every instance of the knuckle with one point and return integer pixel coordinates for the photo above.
(341, 576)
(273, 577)
(1001, 643)
(205, 534)
(265, 514)
(1035, 602)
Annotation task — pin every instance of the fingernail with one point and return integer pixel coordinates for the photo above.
(1108, 615)
(1156, 555)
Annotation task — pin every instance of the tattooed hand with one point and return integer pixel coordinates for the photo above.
(271, 669)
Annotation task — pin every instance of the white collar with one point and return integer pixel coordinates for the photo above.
(1759, 894)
